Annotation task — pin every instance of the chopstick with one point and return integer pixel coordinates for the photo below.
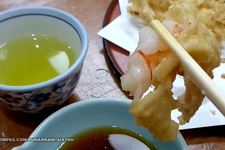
(193, 70)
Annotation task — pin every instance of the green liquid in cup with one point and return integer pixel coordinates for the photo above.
(34, 59)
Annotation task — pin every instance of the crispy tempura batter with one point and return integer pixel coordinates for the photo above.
(209, 12)
(199, 28)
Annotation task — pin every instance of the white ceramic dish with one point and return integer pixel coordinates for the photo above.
(88, 114)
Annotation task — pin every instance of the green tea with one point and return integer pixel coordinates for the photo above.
(34, 59)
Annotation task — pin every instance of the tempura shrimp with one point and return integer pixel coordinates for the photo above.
(153, 64)
(152, 109)
(148, 54)
(144, 71)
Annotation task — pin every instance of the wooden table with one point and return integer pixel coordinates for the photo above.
(97, 79)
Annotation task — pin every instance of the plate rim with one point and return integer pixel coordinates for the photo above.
(115, 68)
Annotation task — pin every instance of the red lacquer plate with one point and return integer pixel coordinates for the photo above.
(118, 56)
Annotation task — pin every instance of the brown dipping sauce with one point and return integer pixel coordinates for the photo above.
(98, 139)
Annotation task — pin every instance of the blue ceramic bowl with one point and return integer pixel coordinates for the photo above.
(20, 22)
(88, 114)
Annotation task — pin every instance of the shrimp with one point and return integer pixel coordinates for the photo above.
(139, 73)
(148, 66)
(147, 56)
(150, 43)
